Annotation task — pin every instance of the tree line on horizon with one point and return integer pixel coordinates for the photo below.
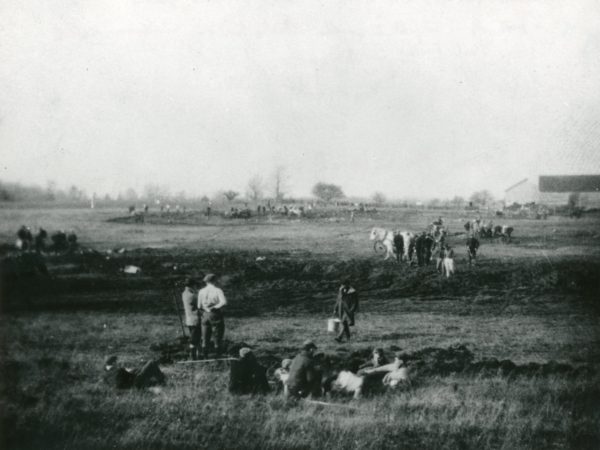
(257, 191)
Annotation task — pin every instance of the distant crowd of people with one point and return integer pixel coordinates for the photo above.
(61, 241)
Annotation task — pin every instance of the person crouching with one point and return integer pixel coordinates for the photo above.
(304, 378)
(247, 376)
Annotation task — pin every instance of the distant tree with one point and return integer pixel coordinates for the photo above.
(255, 188)
(434, 203)
(74, 193)
(155, 191)
(205, 199)
(5, 193)
(327, 192)
(379, 198)
(130, 195)
(230, 195)
(458, 202)
(482, 198)
(279, 183)
(51, 189)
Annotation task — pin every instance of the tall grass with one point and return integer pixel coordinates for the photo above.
(53, 397)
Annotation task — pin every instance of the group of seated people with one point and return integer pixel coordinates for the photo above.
(300, 377)
(304, 376)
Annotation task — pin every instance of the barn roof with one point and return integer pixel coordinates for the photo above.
(516, 184)
(569, 183)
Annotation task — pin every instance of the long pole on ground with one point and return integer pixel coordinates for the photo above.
(178, 312)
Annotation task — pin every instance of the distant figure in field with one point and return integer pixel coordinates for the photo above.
(123, 378)
(345, 306)
(304, 378)
(25, 238)
(472, 247)
(247, 376)
(40, 240)
(211, 301)
(445, 260)
(189, 297)
(59, 241)
(420, 248)
(72, 241)
(448, 261)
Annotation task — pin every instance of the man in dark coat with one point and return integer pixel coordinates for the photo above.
(304, 377)
(345, 307)
(419, 247)
(247, 376)
(472, 246)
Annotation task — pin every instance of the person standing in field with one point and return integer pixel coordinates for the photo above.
(211, 300)
(189, 297)
(345, 306)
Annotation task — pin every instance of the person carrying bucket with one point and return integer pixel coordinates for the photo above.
(345, 306)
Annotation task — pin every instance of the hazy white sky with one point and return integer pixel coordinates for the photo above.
(427, 98)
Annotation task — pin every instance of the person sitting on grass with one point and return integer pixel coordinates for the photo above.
(283, 373)
(385, 368)
(304, 378)
(378, 359)
(148, 375)
(247, 376)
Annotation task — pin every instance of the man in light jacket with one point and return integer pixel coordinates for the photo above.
(211, 300)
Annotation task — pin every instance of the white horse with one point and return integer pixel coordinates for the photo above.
(385, 238)
(388, 239)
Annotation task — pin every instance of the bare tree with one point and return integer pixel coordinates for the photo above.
(379, 198)
(458, 202)
(279, 183)
(255, 188)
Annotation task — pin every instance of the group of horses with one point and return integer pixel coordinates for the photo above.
(477, 227)
(403, 245)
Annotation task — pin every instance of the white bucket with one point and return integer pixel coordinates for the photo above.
(333, 325)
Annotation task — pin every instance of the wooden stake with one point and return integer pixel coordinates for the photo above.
(200, 361)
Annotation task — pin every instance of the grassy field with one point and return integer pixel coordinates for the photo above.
(504, 355)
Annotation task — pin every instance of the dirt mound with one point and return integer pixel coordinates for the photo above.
(427, 362)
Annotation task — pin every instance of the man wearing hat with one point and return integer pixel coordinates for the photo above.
(189, 297)
(304, 377)
(210, 303)
(345, 306)
(247, 376)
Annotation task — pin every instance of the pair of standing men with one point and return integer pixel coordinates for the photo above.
(204, 315)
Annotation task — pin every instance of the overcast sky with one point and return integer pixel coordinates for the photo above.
(411, 98)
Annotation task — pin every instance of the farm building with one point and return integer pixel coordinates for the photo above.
(580, 190)
(522, 192)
